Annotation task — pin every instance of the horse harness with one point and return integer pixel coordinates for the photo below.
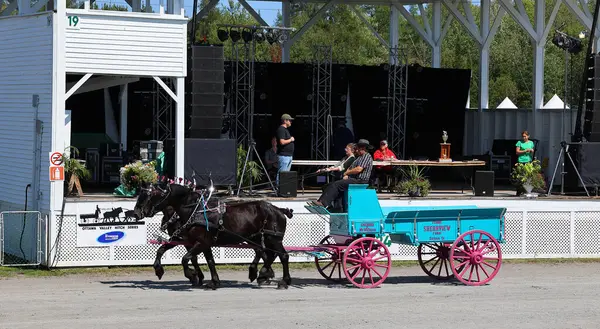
(221, 209)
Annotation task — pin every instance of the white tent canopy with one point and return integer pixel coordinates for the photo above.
(555, 103)
(506, 104)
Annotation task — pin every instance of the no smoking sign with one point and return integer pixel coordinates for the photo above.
(56, 159)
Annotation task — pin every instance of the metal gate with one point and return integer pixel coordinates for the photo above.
(20, 238)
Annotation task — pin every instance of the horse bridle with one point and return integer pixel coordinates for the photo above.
(164, 195)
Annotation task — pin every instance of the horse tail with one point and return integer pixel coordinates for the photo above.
(289, 213)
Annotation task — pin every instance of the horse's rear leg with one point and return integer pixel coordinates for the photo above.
(253, 268)
(196, 267)
(192, 253)
(266, 272)
(284, 257)
(210, 261)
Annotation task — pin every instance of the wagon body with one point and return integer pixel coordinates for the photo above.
(410, 225)
(456, 238)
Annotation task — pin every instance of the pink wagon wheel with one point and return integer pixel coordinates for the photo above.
(475, 258)
(330, 266)
(367, 262)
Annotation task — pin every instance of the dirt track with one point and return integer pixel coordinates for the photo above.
(521, 296)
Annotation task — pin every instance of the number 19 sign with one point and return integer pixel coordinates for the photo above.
(73, 22)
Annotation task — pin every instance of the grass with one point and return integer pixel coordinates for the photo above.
(6, 271)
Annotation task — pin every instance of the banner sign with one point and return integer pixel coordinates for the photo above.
(111, 234)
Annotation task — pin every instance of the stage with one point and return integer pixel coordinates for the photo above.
(544, 227)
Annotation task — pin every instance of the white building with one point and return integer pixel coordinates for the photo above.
(38, 49)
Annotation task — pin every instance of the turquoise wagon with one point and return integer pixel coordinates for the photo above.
(461, 242)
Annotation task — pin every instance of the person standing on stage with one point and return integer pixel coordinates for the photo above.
(285, 145)
(525, 149)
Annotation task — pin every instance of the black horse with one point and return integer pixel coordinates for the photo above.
(258, 223)
(171, 224)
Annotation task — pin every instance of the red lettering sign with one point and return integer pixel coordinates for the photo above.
(433, 228)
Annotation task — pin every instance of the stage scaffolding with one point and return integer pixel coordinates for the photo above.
(163, 120)
(321, 105)
(397, 96)
(242, 95)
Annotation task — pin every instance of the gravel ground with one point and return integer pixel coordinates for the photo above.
(521, 296)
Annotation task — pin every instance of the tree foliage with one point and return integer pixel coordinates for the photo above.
(511, 51)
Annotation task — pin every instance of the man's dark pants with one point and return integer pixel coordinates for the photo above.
(336, 190)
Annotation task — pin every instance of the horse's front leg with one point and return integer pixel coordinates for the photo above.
(214, 277)
(158, 268)
(192, 253)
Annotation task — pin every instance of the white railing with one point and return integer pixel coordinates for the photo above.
(533, 234)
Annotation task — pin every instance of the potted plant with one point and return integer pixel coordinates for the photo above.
(253, 170)
(528, 177)
(75, 171)
(136, 174)
(414, 182)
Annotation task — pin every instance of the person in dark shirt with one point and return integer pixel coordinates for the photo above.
(285, 145)
(358, 173)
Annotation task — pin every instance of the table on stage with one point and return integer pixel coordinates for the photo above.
(422, 163)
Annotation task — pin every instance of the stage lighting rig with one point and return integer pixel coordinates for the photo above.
(222, 34)
(565, 42)
(250, 33)
(234, 35)
(247, 35)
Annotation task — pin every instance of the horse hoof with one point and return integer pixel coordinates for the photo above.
(159, 271)
(282, 285)
(253, 274)
(263, 281)
(195, 280)
(211, 285)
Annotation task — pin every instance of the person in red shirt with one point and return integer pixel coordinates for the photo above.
(383, 154)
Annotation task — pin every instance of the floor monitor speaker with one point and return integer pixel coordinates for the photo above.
(484, 183)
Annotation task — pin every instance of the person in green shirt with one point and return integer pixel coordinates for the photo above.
(525, 149)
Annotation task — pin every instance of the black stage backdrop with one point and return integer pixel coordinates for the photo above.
(286, 88)
(446, 92)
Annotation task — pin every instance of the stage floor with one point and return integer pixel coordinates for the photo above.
(314, 193)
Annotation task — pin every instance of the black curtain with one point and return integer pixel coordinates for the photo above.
(437, 99)
(369, 113)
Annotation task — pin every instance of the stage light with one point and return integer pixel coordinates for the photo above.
(259, 36)
(234, 35)
(247, 35)
(223, 35)
(282, 37)
(565, 42)
(271, 38)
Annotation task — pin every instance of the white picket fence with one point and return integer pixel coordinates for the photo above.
(529, 234)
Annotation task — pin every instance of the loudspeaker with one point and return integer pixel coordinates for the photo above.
(484, 183)
(288, 184)
(207, 91)
(204, 158)
(586, 157)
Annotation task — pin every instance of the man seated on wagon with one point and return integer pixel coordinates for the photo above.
(358, 173)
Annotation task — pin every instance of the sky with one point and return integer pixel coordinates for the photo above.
(268, 9)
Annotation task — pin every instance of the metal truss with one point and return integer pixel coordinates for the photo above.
(321, 107)
(397, 94)
(162, 112)
(242, 94)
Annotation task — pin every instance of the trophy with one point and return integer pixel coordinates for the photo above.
(445, 148)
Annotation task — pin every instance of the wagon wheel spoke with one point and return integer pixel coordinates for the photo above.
(483, 269)
(434, 264)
